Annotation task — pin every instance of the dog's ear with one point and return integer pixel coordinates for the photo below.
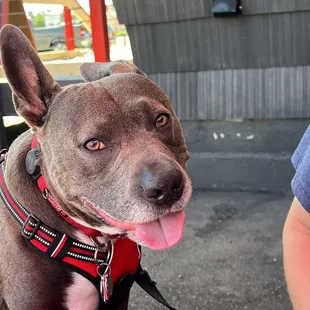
(32, 86)
(97, 70)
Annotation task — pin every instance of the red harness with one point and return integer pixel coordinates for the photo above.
(105, 268)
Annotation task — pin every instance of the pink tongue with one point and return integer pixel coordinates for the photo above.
(162, 233)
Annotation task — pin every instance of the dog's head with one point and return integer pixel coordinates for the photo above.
(112, 149)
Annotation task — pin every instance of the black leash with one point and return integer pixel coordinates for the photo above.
(144, 280)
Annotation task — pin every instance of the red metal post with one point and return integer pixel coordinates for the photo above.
(69, 31)
(5, 12)
(99, 30)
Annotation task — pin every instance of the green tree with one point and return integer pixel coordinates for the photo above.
(39, 20)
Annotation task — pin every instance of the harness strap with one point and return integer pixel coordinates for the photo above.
(51, 243)
(80, 257)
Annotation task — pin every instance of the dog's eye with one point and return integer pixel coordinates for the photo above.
(94, 145)
(161, 120)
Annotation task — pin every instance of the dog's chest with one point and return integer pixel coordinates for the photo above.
(81, 295)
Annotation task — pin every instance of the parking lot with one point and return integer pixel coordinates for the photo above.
(229, 259)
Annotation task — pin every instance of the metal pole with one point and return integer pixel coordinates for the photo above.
(99, 30)
(69, 31)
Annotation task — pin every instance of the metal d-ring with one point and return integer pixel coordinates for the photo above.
(107, 270)
(104, 247)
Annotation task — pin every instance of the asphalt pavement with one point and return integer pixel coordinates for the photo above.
(230, 256)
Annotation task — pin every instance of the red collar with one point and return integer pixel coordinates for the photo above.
(40, 181)
(118, 266)
(90, 261)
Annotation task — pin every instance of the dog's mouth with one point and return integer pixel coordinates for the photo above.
(158, 234)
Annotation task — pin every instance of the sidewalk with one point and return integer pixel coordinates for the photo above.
(229, 259)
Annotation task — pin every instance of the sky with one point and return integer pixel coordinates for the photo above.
(57, 8)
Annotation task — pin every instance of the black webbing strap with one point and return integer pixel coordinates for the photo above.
(144, 280)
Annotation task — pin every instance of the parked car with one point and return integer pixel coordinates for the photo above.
(53, 38)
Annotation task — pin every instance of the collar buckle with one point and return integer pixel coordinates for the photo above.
(30, 227)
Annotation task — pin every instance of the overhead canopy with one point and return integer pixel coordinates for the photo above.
(77, 10)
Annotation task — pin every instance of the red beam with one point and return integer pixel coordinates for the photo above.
(99, 30)
(69, 31)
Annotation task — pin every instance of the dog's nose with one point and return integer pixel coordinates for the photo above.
(161, 186)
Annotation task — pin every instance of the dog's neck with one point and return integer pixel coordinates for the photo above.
(21, 186)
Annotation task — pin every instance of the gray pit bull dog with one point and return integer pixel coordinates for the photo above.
(113, 157)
